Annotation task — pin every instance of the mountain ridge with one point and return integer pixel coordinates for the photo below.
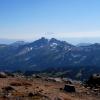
(45, 53)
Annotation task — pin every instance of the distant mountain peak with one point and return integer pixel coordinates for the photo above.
(18, 43)
(95, 45)
(83, 44)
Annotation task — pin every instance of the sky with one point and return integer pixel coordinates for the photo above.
(62, 19)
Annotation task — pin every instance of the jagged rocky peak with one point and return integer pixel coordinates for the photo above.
(53, 40)
(43, 39)
(40, 42)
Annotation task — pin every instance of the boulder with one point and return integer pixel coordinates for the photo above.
(69, 88)
(3, 75)
(94, 81)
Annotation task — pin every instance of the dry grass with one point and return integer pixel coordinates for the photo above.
(46, 90)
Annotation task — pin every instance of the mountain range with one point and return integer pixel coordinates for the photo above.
(44, 54)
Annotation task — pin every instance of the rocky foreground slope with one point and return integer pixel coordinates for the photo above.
(34, 87)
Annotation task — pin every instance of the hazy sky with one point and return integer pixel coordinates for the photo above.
(31, 19)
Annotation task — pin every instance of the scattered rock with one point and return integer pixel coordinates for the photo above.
(67, 81)
(37, 76)
(16, 84)
(50, 80)
(57, 98)
(20, 84)
(38, 96)
(61, 89)
(8, 88)
(30, 94)
(26, 84)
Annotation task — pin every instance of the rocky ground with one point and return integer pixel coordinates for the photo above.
(40, 88)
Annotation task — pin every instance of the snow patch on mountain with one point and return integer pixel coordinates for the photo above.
(25, 50)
